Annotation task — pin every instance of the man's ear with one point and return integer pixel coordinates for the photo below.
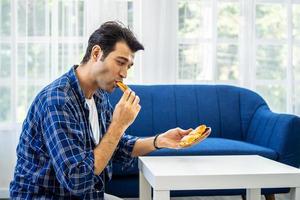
(96, 53)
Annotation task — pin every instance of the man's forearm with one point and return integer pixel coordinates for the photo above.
(143, 146)
(105, 149)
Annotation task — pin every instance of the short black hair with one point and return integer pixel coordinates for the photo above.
(107, 36)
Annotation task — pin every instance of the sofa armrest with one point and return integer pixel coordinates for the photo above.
(280, 132)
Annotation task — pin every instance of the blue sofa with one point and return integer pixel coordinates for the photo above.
(241, 122)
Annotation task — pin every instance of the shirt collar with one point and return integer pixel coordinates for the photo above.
(99, 95)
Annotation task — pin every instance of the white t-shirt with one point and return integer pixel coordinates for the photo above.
(93, 117)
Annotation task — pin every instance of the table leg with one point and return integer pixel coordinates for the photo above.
(295, 193)
(253, 194)
(145, 188)
(161, 195)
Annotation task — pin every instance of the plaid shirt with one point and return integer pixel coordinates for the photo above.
(55, 157)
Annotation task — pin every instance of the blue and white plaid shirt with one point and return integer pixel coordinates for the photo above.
(55, 157)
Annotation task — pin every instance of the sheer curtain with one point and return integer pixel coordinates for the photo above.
(156, 25)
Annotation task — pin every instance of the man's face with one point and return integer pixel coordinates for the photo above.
(113, 68)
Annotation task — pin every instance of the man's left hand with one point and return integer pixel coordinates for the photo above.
(171, 138)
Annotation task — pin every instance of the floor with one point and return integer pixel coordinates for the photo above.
(278, 197)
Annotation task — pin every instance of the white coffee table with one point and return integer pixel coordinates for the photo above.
(165, 173)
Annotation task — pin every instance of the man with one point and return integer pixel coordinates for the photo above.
(71, 134)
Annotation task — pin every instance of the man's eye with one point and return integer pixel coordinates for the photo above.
(120, 63)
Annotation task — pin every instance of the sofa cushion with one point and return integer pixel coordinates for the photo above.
(210, 146)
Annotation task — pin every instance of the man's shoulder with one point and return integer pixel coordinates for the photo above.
(57, 93)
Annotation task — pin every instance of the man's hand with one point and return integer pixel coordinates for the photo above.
(171, 138)
(124, 114)
(126, 109)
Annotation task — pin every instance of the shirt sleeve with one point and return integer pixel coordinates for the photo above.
(123, 153)
(73, 165)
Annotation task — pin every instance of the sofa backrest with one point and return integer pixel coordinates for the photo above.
(227, 109)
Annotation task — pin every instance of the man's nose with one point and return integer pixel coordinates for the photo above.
(123, 73)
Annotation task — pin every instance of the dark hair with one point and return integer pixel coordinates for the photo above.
(107, 36)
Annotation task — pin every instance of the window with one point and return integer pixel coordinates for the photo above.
(272, 53)
(208, 40)
(39, 41)
(5, 63)
(49, 39)
(247, 43)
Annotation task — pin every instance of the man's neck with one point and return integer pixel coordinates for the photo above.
(85, 80)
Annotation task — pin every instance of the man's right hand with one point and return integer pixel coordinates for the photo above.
(126, 109)
(124, 114)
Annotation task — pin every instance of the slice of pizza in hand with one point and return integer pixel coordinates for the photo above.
(195, 136)
(122, 86)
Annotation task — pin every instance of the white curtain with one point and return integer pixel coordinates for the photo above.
(100, 11)
(157, 29)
